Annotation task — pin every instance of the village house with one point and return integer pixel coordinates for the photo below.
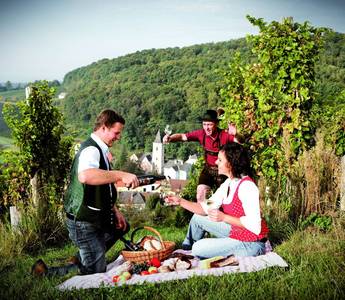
(62, 95)
(154, 163)
(132, 199)
(176, 171)
(144, 161)
(136, 198)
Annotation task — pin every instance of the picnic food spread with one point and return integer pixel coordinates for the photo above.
(174, 263)
(151, 255)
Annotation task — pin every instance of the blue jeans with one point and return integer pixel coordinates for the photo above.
(222, 245)
(93, 243)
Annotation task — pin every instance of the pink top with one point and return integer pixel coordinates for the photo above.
(211, 143)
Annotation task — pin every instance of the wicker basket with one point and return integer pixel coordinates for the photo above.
(142, 256)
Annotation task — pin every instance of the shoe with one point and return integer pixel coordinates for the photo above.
(186, 247)
(73, 260)
(39, 268)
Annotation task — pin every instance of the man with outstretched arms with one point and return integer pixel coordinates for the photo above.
(211, 137)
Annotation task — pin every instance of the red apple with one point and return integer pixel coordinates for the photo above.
(145, 273)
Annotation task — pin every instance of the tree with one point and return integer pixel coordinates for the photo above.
(45, 154)
(55, 83)
(122, 157)
(8, 85)
(270, 100)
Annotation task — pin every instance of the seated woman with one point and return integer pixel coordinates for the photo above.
(233, 216)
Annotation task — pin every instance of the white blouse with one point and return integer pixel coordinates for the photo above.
(248, 194)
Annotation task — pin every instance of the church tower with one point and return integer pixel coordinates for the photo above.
(158, 154)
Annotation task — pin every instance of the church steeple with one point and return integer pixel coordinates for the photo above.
(158, 137)
(158, 154)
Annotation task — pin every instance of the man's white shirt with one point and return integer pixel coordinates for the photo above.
(89, 156)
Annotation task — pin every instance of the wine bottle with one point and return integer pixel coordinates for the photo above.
(149, 179)
(129, 245)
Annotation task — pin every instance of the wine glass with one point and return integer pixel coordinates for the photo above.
(206, 198)
(165, 189)
(167, 130)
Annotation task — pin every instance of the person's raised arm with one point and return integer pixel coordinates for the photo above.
(176, 137)
(238, 137)
(232, 130)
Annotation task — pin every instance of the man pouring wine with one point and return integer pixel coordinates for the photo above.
(93, 221)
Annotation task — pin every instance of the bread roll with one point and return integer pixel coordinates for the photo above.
(156, 244)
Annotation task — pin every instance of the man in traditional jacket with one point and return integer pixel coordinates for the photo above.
(93, 221)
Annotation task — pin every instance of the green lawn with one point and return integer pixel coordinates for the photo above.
(316, 271)
(6, 142)
(12, 95)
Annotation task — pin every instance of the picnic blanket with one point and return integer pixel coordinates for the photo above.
(246, 264)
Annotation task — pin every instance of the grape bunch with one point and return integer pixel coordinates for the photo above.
(138, 268)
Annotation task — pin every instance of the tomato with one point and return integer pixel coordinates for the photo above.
(145, 273)
(155, 262)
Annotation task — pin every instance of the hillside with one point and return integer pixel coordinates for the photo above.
(13, 96)
(8, 96)
(150, 88)
(4, 130)
(153, 88)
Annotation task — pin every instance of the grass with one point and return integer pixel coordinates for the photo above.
(316, 267)
(6, 142)
(13, 95)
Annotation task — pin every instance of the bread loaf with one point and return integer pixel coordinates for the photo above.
(223, 262)
(150, 243)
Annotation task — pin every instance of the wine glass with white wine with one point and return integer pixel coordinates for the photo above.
(165, 189)
(206, 198)
(167, 130)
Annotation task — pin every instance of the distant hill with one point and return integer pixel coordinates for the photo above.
(8, 96)
(4, 130)
(12, 95)
(152, 88)
(6, 142)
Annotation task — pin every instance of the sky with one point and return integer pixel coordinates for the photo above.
(45, 39)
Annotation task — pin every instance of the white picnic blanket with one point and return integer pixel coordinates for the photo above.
(246, 264)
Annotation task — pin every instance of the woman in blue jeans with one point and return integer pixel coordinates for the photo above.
(231, 214)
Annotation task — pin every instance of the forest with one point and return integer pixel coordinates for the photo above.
(174, 86)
